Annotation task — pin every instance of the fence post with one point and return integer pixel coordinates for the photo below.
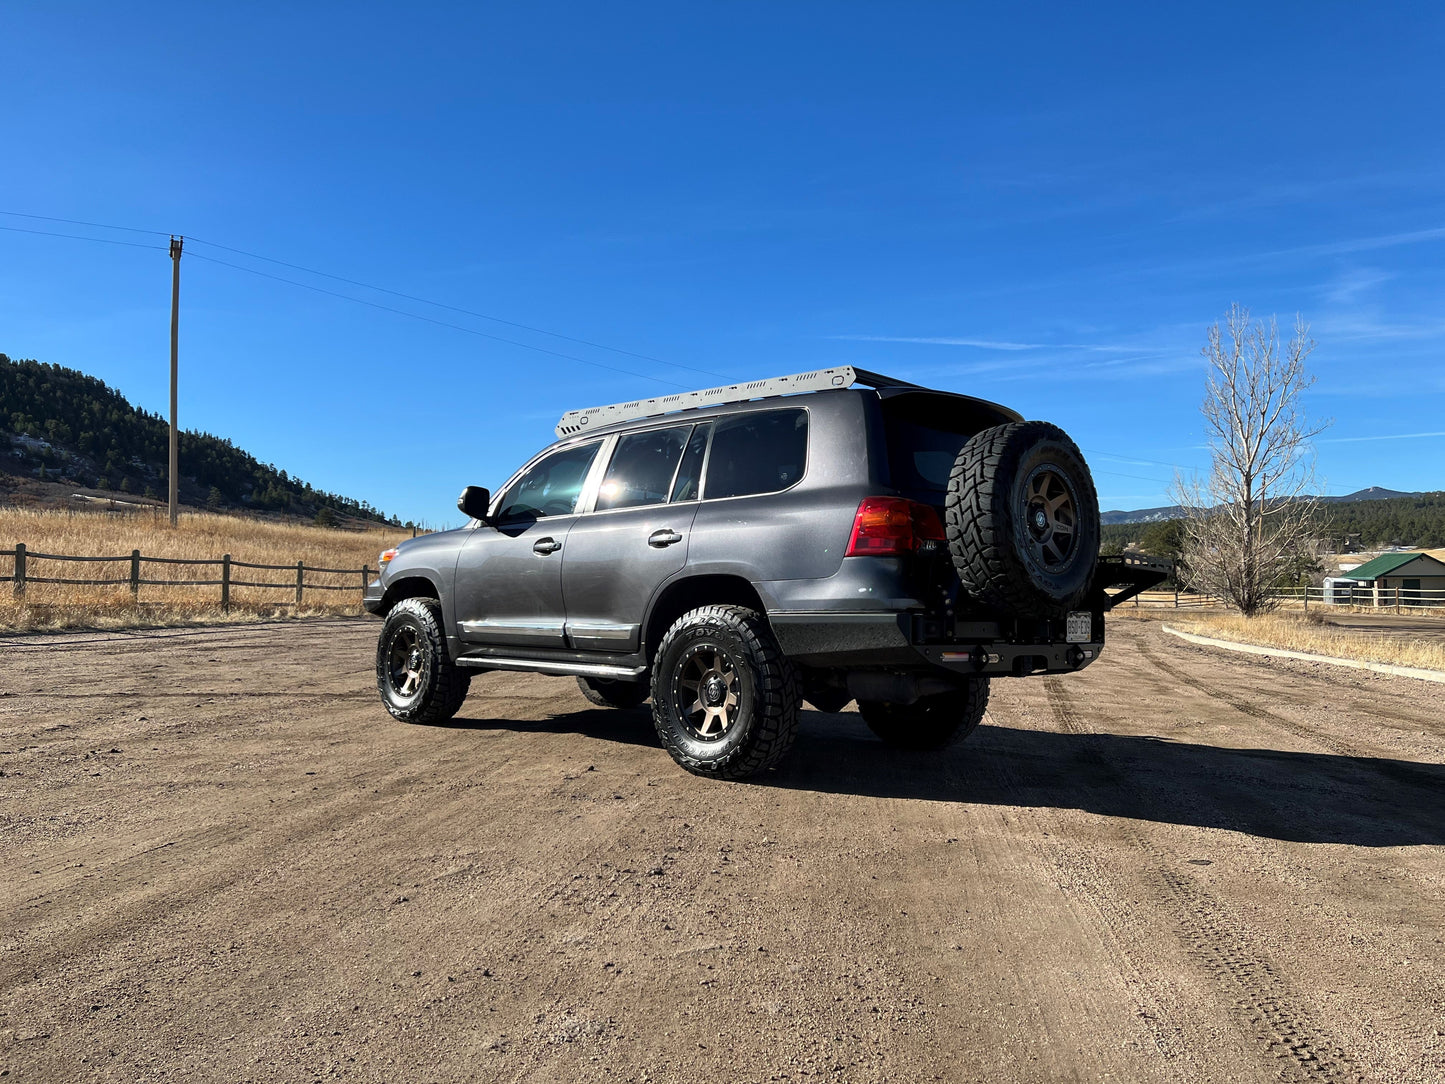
(1397, 600)
(226, 584)
(365, 578)
(135, 573)
(1307, 598)
(19, 569)
(1176, 596)
(300, 580)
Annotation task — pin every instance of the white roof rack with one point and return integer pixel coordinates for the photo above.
(844, 376)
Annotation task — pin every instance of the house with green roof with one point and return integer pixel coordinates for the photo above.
(1411, 579)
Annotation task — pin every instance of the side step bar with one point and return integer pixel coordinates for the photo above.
(570, 669)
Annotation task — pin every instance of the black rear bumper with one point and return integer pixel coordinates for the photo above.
(906, 641)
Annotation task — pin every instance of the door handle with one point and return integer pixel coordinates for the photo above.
(664, 537)
(545, 546)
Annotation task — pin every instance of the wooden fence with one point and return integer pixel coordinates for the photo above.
(23, 574)
(1179, 600)
(1398, 599)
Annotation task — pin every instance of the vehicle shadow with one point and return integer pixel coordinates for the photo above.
(1296, 796)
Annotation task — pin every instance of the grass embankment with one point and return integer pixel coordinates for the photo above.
(199, 536)
(1296, 632)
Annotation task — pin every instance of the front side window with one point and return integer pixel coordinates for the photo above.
(757, 453)
(551, 487)
(642, 468)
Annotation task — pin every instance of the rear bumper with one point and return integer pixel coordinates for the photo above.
(900, 640)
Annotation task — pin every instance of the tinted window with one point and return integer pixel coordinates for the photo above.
(757, 453)
(689, 475)
(920, 457)
(551, 487)
(642, 468)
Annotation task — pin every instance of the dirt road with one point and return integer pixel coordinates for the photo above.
(223, 861)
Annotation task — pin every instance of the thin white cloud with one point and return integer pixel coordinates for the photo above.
(1381, 436)
(983, 344)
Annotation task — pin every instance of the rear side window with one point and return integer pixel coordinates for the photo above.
(689, 475)
(642, 468)
(757, 453)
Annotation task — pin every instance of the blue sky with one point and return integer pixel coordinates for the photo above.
(1044, 204)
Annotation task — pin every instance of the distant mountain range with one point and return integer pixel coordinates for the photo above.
(1173, 511)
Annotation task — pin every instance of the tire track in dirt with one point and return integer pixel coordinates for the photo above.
(73, 933)
(1247, 979)
(1372, 758)
(1074, 871)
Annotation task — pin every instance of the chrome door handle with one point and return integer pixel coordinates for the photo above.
(545, 546)
(664, 537)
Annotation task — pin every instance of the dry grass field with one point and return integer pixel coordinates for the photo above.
(199, 536)
(1294, 631)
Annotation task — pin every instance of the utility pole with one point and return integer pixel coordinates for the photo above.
(176, 243)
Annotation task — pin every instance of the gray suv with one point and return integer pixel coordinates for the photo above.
(733, 552)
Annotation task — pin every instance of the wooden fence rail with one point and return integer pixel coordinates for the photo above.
(23, 556)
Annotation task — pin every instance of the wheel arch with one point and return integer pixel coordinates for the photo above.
(408, 587)
(679, 596)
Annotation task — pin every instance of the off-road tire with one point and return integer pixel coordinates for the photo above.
(767, 692)
(931, 722)
(439, 685)
(1000, 561)
(613, 694)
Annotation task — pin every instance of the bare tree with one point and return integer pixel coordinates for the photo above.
(1254, 516)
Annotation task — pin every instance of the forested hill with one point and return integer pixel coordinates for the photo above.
(1417, 519)
(61, 425)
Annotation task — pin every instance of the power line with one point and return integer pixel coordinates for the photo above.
(454, 308)
(371, 304)
(82, 237)
(439, 323)
(78, 222)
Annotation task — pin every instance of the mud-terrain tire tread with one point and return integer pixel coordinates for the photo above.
(932, 722)
(978, 519)
(777, 686)
(613, 694)
(446, 685)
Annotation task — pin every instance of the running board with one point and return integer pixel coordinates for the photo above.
(569, 669)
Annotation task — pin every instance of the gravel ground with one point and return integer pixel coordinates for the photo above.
(223, 860)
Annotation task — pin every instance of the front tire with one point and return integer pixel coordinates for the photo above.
(414, 674)
(725, 699)
(931, 722)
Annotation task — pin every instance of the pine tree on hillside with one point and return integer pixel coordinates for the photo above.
(82, 415)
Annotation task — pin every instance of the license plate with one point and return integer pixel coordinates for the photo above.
(1079, 628)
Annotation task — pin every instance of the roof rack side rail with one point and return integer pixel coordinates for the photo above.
(844, 376)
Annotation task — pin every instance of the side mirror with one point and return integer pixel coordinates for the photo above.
(474, 501)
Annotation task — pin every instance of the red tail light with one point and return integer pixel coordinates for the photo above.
(890, 526)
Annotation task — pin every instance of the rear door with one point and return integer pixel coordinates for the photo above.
(635, 537)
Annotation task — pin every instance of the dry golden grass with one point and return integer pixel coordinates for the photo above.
(199, 536)
(1296, 632)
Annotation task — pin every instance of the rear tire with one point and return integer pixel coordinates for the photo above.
(1023, 520)
(931, 722)
(613, 694)
(414, 674)
(725, 699)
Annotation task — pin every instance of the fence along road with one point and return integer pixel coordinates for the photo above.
(227, 564)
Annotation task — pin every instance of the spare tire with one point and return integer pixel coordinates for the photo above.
(1023, 519)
